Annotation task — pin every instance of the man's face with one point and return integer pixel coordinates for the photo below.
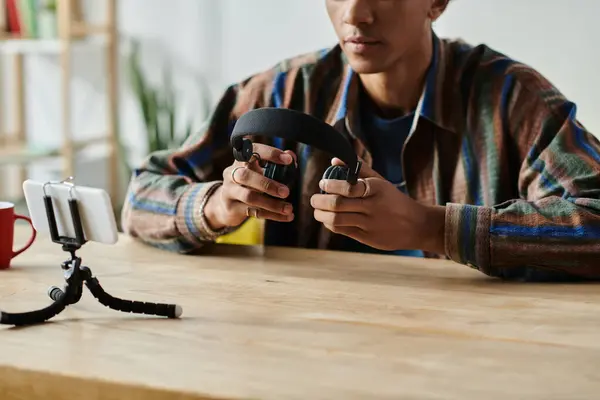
(376, 34)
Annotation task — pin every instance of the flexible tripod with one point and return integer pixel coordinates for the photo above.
(76, 275)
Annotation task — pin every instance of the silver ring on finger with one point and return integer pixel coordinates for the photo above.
(367, 187)
(233, 175)
(252, 212)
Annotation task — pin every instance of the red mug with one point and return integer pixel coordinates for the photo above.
(7, 234)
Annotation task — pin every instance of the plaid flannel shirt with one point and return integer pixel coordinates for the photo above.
(496, 143)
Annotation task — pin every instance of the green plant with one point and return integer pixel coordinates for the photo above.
(157, 106)
(50, 5)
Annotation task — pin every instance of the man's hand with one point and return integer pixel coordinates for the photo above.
(385, 218)
(246, 190)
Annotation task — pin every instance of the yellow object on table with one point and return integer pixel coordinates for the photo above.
(250, 233)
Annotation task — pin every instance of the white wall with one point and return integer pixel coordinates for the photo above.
(224, 41)
(259, 33)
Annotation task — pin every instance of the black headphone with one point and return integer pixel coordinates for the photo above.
(294, 126)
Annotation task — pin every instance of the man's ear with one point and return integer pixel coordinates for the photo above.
(437, 8)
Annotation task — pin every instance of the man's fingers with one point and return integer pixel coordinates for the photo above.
(261, 213)
(343, 188)
(337, 220)
(334, 202)
(365, 170)
(273, 154)
(255, 180)
(258, 200)
(337, 162)
(291, 153)
(258, 165)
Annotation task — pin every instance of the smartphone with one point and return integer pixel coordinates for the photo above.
(95, 209)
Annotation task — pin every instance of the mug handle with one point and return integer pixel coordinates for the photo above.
(31, 239)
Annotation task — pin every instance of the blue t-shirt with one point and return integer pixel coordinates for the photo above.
(385, 139)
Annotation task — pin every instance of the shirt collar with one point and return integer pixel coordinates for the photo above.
(346, 103)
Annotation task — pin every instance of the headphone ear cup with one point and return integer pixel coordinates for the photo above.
(245, 153)
(284, 174)
(336, 172)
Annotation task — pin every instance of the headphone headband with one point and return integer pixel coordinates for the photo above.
(296, 126)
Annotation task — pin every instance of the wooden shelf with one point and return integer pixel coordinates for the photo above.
(18, 155)
(75, 36)
(84, 29)
(23, 155)
(46, 46)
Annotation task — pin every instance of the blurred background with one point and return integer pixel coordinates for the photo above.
(89, 87)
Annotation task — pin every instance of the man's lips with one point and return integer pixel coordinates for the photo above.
(361, 45)
(361, 40)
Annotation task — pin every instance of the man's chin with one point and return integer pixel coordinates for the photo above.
(365, 67)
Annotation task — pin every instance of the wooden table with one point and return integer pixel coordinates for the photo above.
(296, 324)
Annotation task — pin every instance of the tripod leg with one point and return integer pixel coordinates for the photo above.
(71, 295)
(137, 307)
(56, 293)
(38, 316)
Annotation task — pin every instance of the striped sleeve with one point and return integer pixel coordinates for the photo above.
(552, 231)
(166, 191)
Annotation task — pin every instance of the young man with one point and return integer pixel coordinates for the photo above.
(468, 155)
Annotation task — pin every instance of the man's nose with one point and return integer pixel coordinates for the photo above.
(358, 12)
